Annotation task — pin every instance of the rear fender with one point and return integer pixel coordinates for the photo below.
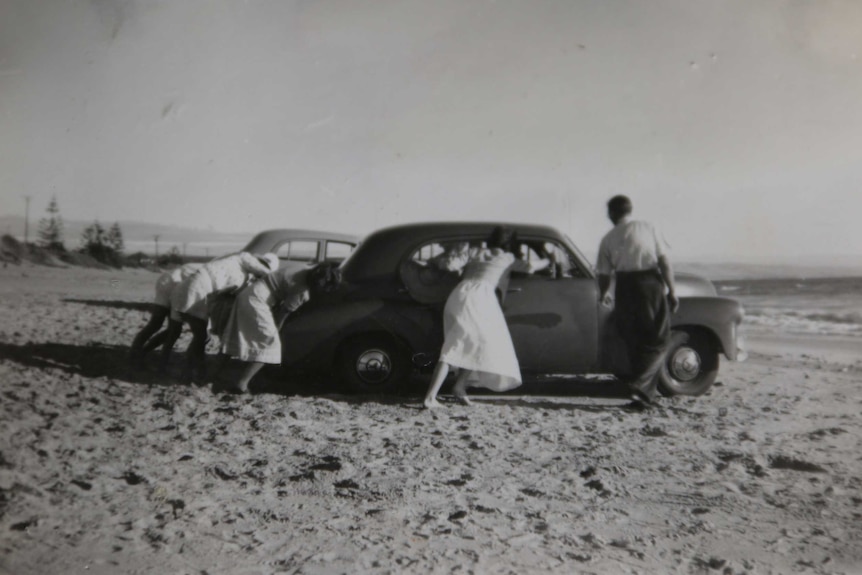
(313, 334)
(717, 315)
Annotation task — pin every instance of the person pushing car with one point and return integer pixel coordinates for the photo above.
(633, 256)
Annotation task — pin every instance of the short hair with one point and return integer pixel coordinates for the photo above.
(324, 278)
(620, 205)
(503, 237)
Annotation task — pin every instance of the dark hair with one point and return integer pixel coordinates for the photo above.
(324, 278)
(620, 205)
(503, 237)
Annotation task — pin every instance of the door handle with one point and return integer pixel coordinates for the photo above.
(513, 290)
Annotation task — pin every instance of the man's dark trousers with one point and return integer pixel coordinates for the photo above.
(643, 321)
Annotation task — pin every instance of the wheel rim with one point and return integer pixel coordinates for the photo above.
(374, 366)
(685, 364)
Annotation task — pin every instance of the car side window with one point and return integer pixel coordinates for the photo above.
(337, 251)
(433, 269)
(427, 252)
(562, 264)
(565, 264)
(528, 253)
(298, 251)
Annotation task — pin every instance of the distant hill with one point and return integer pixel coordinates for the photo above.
(140, 236)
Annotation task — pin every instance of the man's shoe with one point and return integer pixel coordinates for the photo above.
(637, 405)
(638, 395)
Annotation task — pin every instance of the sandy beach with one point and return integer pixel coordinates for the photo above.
(108, 470)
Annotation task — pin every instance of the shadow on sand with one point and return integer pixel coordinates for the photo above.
(111, 361)
(114, 304)
(94, 361)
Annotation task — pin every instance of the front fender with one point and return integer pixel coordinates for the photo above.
(720, 316)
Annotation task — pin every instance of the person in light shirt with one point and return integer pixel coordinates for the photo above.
(189, 299)
(147, 339)
(632, 255)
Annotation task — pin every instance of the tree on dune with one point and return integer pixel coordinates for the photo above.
(51, 228)
(104, 245)
(115, 238)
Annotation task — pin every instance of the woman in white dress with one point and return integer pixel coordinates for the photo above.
(475, 335)
(252, 332)
(147, 339)
(189, 298)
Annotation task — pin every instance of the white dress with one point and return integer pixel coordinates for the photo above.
(171, 279)
(252, 333)
(475, 334)
(190, 296)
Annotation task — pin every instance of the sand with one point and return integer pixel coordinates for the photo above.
(108, 470)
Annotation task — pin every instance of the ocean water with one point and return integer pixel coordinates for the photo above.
(817, 306)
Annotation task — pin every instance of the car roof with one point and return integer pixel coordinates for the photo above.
(381, 252)
(265, 239)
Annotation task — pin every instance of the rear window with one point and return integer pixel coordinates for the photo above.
(298, 251)
(337, 251)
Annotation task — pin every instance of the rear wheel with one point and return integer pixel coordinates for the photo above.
(691, 364)
(372, 364)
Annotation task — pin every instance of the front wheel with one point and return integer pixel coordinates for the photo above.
(690, 366)
(372, 364)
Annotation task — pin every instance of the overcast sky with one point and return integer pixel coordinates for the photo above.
(736, 126)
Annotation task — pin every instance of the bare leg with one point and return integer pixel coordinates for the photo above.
(248, 372)
(441, 370)
(139, 347)
(460, 389)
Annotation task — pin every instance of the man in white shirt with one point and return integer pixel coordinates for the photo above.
(633, 255)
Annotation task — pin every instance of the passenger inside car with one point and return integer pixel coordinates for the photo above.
(453, 258)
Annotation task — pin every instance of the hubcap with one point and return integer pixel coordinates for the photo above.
(374, 366)
(685, 364)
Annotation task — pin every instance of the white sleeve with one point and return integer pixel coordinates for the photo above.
(603, 262)
(252, 265)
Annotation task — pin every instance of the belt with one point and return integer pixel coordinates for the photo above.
(638, 273)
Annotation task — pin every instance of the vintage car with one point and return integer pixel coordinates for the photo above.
(302, 248)
(385, 320)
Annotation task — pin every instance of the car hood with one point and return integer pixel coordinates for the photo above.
(691, 285)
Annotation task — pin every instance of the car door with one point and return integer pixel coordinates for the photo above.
(553, 314)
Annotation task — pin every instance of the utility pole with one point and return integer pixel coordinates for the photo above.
(27, 220)
(184, 251)
(156, 239)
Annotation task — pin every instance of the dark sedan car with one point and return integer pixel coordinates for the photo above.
(386, 318)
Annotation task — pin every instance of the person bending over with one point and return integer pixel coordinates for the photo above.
(189, 299)
(476, 338)
(252, 332)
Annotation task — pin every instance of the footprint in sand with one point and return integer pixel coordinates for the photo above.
(791, 463)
